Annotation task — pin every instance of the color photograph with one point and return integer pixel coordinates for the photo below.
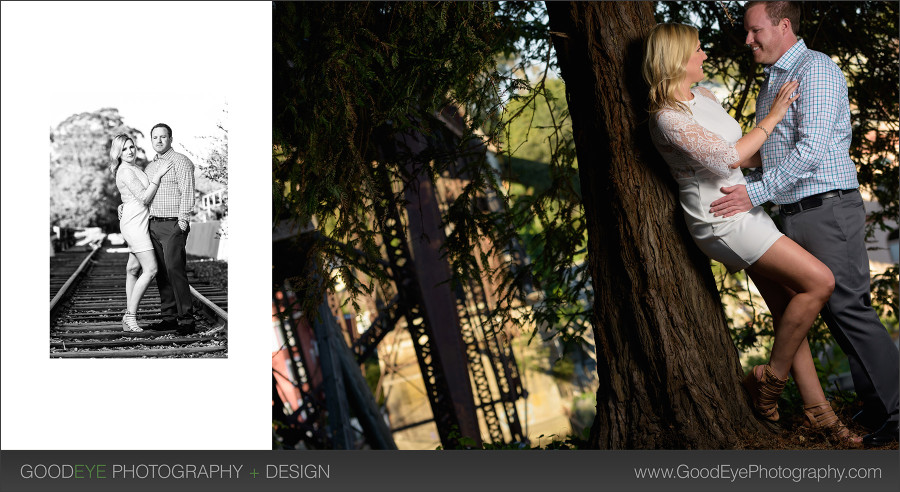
(608, 225)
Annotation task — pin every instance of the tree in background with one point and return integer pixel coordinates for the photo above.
(211, 159)
(530, 136)
(346, 76)
(348, 79)
(82, 188)
(654, 295)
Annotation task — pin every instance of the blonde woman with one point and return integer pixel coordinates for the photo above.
(704, 148)
(137, 190)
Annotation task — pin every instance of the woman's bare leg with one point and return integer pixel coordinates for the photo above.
(781, 298)
(149, 268)
(803, 368)
(805, 376)
(132, 271)
(789, 265)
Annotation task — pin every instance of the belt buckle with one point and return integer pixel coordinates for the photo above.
(811, 202)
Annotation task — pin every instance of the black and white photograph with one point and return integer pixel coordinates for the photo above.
(139, 230)
(136, 136)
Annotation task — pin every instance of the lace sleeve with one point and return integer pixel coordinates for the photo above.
(135, 187)
(696, 142)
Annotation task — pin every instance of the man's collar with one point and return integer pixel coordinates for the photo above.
(789, 58)
(165, 154)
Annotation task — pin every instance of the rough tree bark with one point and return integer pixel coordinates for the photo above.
(669, 372)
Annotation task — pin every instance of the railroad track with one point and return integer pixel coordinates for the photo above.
(63, 268)
(88, 299)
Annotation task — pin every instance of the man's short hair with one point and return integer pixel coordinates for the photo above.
(161, 125)
(780, 10)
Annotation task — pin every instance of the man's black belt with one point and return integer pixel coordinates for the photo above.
(811, 201)
(162, 219)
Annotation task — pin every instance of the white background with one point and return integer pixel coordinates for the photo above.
(110, 50)
(192, 112)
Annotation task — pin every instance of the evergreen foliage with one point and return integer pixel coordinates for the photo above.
(82, 188)
(211, 173)
(349, 78)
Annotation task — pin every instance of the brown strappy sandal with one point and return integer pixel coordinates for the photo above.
(821, 416)
(764, 391)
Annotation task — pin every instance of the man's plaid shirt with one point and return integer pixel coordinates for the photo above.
(175, 196)
(808, 152)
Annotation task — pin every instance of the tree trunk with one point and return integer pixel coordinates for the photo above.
(669, 372)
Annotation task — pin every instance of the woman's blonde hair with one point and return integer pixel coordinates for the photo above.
(115, 150)
(667, 50)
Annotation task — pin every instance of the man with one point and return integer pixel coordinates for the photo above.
(169, 227)
(807, 171)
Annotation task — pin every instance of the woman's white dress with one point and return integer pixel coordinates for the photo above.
(699, 148)
(135, 222)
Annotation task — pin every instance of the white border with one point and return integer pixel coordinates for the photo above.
(121, 403)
